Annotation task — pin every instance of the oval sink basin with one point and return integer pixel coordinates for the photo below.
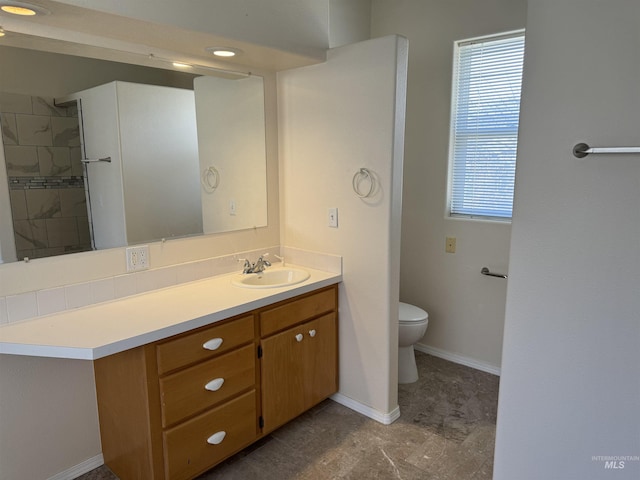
(271, 278)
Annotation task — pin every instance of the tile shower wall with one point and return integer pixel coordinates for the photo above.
(42, 153)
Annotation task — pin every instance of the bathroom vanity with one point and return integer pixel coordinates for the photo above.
(177, 396)
(175, 408)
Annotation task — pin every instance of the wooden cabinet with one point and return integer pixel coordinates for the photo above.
(175, 408)
(298, 369)
(299, 356)
(198, 444)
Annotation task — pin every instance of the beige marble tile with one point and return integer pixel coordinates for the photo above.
(54, 161)
(22, 161)
(18, 205)
(45, 106)
(75, 156)
(34, 130)
(65, 131)
(43, 203)
(9, 129)
(73, 202)
(30, 235)
(84, 234)
(62, 232)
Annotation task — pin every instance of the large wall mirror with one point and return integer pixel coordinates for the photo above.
(100, 154)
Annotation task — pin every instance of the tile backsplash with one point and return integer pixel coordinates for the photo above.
(27, 305)
(45, 174)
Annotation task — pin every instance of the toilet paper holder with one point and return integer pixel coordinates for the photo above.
(489, 273)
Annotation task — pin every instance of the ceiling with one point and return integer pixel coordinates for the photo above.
(80, 31)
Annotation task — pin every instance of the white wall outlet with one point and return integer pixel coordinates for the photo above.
(333, 217)
(232, 207)
(137, 258)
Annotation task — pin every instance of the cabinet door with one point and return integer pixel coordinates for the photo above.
(321, 359)
(283, 379)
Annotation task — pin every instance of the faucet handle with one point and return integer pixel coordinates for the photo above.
(247, 265)
(263, 260)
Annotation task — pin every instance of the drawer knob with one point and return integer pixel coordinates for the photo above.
(299, 337)
(312, 333)
(214, 385)
(216, 438)
(212, 344)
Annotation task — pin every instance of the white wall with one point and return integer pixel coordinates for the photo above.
(230, 116)
(569, 388)
(48, 416)
(349, 21)
(159, 161)
(466, 309)
(334, 119)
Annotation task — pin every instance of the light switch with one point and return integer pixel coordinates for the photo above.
(333, 217)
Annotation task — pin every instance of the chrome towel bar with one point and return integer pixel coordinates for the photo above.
(95, 160)
(581, 150)
(489, 273)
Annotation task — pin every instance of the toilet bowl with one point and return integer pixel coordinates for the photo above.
(413, 323)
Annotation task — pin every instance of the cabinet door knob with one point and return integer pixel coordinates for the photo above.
(312, 333)
(212, 344)
(214, 385)
(216, 438)
(299, 337)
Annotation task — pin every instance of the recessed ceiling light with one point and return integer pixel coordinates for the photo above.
(224, 51)
(22, 8)
(2, 34)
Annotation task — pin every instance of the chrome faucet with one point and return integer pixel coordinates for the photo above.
(247, 266)
(258, 266)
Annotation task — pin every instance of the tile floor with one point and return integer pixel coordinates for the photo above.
(446, 431)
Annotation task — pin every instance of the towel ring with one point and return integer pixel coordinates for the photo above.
(210, 179)
(364, 174)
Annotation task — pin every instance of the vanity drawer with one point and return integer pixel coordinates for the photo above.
(210, 382)
(297, 311)
(187, 448)
(204, 343)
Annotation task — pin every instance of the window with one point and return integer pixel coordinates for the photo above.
(484, 126)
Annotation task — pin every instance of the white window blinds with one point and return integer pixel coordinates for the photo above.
(484, 137)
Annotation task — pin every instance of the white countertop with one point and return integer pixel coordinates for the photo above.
(103, 329)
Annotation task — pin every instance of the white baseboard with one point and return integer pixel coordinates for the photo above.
(79, 469)
(455, 358)
(384, 418)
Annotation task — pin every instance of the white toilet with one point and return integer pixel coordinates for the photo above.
(413, 323)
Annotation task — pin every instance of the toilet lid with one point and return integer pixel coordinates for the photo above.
(411, 313)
